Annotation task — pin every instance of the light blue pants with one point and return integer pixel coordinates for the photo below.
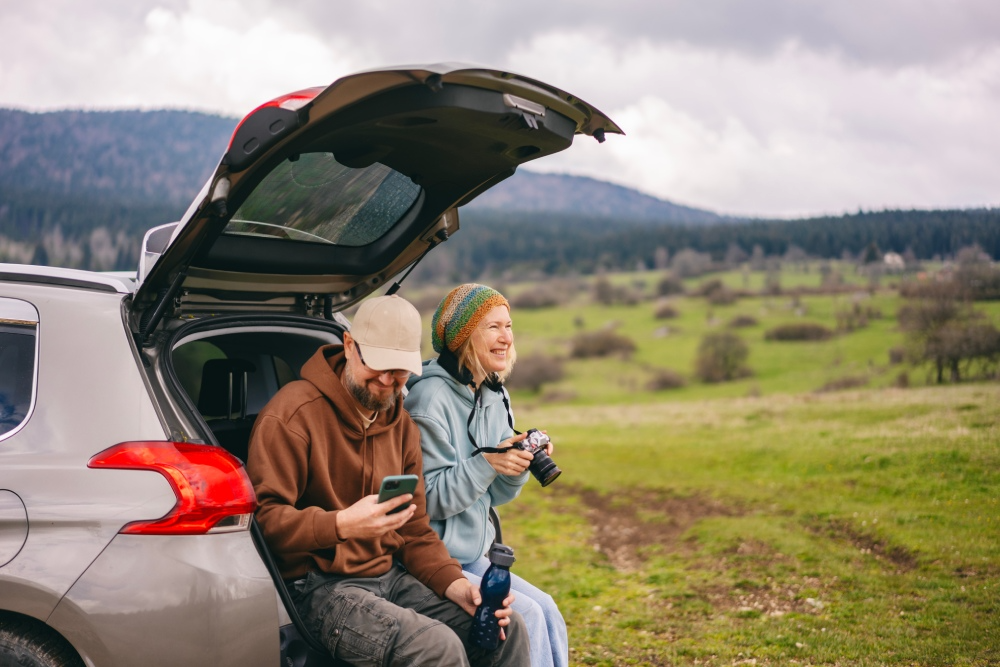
(547, 636)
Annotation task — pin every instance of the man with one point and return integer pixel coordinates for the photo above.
(374, 587)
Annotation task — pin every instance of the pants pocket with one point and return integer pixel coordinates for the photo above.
(353, 627)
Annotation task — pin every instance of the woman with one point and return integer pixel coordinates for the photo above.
(460, 405)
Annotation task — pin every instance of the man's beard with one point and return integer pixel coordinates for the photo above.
(365, 398)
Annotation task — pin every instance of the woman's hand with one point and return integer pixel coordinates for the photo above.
(511, 461)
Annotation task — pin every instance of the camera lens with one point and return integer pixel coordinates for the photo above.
(544, 468)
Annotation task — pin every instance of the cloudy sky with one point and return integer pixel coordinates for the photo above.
(763, 107)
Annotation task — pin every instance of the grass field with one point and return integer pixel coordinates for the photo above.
(850, 528)
(761, 521)
(860, 356)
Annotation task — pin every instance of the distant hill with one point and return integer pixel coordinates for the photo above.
(532, 192)
(166, 156)
(131, 156)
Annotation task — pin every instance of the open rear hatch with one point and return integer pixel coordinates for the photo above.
(325, 194)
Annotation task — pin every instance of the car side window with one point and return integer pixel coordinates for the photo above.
(18, 343)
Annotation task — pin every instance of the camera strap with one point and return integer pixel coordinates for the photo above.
(477, 402)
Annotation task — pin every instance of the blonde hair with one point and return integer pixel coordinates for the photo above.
(468, 356)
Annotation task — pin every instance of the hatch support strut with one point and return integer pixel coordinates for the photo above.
(434, 242)
(151, 318)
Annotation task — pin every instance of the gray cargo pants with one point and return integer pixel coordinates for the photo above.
(396, 620)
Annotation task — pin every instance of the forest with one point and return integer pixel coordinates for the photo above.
(78, 189)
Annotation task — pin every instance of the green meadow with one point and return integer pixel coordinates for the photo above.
(775, 519)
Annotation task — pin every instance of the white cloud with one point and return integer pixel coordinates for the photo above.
(788, 133)
(782, 108)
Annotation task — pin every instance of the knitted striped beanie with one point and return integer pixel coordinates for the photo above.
(460, 312)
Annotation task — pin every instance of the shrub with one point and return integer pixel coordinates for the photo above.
(856, 316)
(799, 331)
(716, 292)
(607, 294)
(600, 344)
(709, 286)
(541, 296)
(664, 378)
(669, 285)
(723, 297)
(666, 311)
(741, 321)
(721, 357)
(533, 370)
(849, 382)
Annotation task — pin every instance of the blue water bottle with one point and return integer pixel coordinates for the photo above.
(494, 588)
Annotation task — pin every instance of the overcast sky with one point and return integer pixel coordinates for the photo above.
(762, 107)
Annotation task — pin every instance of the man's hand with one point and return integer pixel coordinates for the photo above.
(370, 518)
(511, 461)
(465, 595)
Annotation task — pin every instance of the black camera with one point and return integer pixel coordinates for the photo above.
(542, 466)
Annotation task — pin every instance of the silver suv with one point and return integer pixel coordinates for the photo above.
(126, 402)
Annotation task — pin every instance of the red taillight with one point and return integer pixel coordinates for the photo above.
(291, 101)
(210, 484)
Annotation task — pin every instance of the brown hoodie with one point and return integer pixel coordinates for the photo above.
(311, 455)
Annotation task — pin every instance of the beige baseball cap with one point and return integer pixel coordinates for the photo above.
(387, 328)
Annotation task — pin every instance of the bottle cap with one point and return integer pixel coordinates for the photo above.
(502, 555)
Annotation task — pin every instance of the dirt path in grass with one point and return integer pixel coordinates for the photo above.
(624, 525)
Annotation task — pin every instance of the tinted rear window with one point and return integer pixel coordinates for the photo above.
(319, 200)
(18, 330)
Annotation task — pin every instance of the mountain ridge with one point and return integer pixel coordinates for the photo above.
(124, 155)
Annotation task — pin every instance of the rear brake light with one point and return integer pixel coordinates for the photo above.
(213, 491)
(291, 102)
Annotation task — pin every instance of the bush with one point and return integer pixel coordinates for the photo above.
(664, 378)
(600, 344)
(533, 370)
(665, 311)
(716, 292)
(721, 357)
(541, 296)
(856, 316)
(709, 286)
(723, 297)
(607, 294)
(849, 382)
(670, 285)
(799, 331)
(742, 321)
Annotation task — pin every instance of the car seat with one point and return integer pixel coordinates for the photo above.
(222, 401)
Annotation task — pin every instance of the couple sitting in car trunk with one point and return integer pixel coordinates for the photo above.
(384, 588)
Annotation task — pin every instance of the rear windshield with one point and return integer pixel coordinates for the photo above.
(315, 198)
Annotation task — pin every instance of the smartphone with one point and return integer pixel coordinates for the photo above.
(397, 485)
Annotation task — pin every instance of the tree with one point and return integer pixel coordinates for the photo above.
(944, 330)
(721, 357)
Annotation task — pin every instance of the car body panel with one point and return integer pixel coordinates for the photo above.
(145, 592)
(74, 512)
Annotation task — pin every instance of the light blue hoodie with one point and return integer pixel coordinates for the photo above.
(460, 487)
